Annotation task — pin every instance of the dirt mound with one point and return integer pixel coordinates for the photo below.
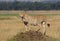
(30, 36)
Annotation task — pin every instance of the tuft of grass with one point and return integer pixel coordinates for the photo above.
(19, 36)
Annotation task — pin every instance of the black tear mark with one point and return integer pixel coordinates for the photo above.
(25, 23)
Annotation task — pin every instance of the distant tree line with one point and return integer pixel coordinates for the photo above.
(29, 6)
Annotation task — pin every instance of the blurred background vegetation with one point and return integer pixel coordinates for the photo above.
(29, 5)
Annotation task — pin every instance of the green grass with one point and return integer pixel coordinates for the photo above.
(44, 14)
(30, 14)
(9, 14)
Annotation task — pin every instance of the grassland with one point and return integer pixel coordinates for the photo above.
(10, 25)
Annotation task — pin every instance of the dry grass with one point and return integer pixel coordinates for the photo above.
(32, 12)
(10, 27)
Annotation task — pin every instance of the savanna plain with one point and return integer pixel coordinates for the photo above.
(11, 24)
